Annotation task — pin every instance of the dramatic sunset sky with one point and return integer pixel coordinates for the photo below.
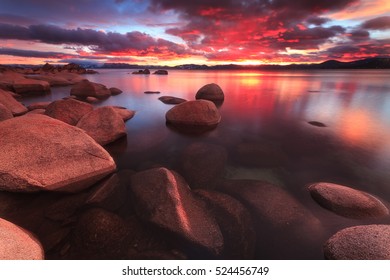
(172, 32)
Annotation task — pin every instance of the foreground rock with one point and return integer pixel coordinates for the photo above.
(235, 223)
(212, 92)
(86, 89)
(5, 113)
(17, 83)
(164, 199)
(18, 244)
(203, 164)
(347, 202)
(39, 153)
(69, 111)
(171, 100)
(200, 113)
(103, 124)
(371, 242)
(11, 103)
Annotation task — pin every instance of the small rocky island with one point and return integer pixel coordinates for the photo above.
(62, 195)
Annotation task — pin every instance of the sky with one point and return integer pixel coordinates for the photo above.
(174, 32)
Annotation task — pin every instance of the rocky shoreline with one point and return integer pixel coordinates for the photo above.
(62, 196)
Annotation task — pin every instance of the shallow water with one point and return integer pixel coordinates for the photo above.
(271, 108)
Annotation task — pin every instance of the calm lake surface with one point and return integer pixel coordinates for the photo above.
(272, 108)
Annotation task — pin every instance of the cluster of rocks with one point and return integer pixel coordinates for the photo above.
(198, 115)
(147, 72)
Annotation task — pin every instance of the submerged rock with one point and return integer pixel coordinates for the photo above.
(100, 234)
(115, 91)
(200, 113)
(69, 110)
(103, 124)
(39, 153)
(235, 223)
(269, 202)
(315, 123)
(212, 92)
(18, 244)
(259, 154)
(109, 194)
(164, 199)
(203, 164)
(11, 103)
(171, 100)
(346, 201)
(370, 242)
(86, 88)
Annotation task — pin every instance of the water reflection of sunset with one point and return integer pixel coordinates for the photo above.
(357, 127)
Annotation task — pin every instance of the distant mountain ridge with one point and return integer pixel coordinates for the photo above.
(368, 63)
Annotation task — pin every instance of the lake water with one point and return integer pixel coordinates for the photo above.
(271, 108)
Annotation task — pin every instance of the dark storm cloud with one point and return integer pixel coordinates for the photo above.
(317, 20)
(43, 54)
(379, 23)
(30, 53)
(98, 41)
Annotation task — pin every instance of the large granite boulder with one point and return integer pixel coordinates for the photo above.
(212, 92)
(369, 242)
(163, 198)
(5, 113)
(11, 103)
(203, 164)
(200, 113)
(41, 153)
(346, 201)
(18, 244)
(86, 88)
(103, 124)
(69, 110)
